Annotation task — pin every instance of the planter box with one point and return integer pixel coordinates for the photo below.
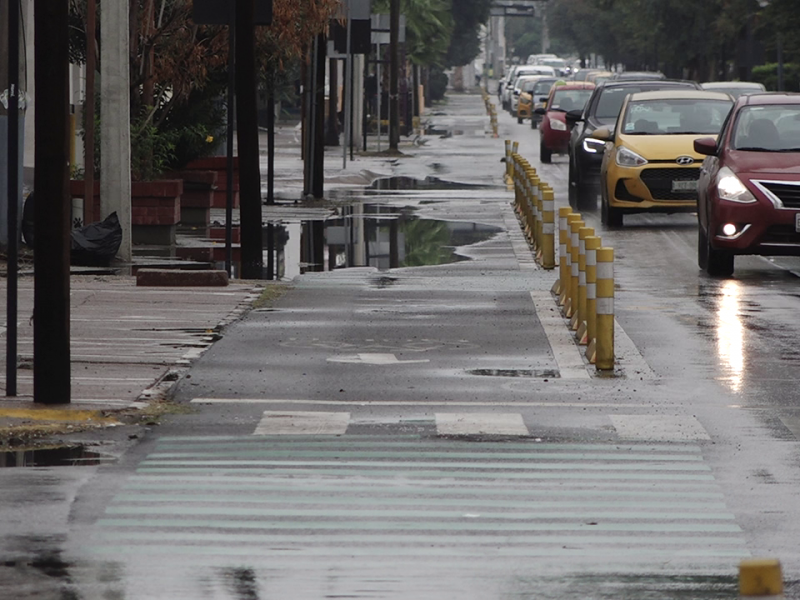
(219, 164)
(198, 196)
(155, 211)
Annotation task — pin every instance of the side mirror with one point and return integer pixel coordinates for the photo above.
(706, 145)
(574, 116)
(543, 98)
(540, 111)
(602, 133)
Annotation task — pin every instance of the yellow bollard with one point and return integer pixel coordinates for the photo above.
(533, 197)
(604, 345)
(507, 177)
(563, 237)
(566, 293)
(574, 250)
(579, 323)
(540, 189)
(548, 229)
(760, 577)
(592, 244)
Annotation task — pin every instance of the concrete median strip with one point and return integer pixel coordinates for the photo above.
(179, 278)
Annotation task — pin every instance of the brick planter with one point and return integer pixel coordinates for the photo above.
(155, 211)
(197, 199)
(220, 165)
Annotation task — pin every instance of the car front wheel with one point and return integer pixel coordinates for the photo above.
(609, 216)
(544, 153)
(702, 248)
(719, 263)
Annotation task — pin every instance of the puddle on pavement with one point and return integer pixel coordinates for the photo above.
(64, 456)
(429, 183)
(539, 373)
(369, 235)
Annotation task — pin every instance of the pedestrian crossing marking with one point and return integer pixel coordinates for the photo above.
(659, 428)
(480, 424)
(274, 497)
(302, 422)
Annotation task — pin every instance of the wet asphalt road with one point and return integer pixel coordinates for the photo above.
(431, 432)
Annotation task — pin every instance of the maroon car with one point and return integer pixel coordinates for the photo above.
(554, 130)
(749, 186)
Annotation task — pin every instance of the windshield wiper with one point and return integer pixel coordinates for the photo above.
(755, 149)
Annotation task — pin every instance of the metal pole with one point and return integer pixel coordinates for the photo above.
(348, 92)
(229, 149)
(312, 137)
(352, 105)
(380, 93)
(13, 196)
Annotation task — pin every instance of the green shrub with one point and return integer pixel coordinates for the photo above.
(768, 75)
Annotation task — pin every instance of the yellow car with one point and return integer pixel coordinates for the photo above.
(649, 163)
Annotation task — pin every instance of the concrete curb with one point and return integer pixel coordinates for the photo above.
(179, 278)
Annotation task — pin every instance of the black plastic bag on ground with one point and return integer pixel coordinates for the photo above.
(94, 245)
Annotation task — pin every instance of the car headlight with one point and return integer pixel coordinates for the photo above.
(629, 158)
(593, 146)
(557, 125)
(730, 187)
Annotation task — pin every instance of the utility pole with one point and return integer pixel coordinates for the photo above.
(394, 67)
(88, 127)
(247, 137)
(115, 138)
(318, 132)
(51, 350)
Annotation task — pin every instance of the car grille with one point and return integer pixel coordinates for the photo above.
(788, 193)
(781, 234)
(659, 182)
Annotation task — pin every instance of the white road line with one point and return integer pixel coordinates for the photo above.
(659, 428)
(480, 424)
(303, 423)
(571, 364)
(413, 403)
(373, 359)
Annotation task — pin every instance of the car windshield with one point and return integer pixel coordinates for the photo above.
(772, 128)
(611, 99)
(542, 89)
(567, 100)
(675, 116)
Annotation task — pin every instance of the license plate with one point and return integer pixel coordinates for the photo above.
(797, 222)
(684, 186)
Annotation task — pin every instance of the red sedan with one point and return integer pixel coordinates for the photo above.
(554, 131)
(749, 186)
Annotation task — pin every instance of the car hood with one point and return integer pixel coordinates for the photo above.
(765, 163)
(662, 147)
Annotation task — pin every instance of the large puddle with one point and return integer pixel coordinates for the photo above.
(63, 456)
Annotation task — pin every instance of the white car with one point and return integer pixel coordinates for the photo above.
(520, 71)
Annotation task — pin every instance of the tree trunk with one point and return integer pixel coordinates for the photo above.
(247, 138)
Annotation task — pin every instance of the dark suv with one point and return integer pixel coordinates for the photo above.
(601, 110)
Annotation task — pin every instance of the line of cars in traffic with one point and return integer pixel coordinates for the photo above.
(727, 151)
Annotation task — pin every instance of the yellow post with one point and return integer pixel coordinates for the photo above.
(548, 229)
(574, 251)
(508, 162)
(563, 238)
(533, 197)
(566, 293)
(604, 349)
(592, 244)
(760, 577)
(579, 322)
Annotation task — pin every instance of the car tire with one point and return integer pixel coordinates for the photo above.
(719, 263)
(609, 216)
(534, 124)
(544, 154)
(702, 248)
(519, 120)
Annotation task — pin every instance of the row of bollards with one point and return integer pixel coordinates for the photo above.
(585, 286)
(491, 110)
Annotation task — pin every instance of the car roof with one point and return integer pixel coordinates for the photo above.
(679, 83)
(630, 75)
(680, 95)
(710, 85)
(577, 85)
(770, 98)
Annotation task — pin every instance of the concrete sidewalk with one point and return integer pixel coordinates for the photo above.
(130, 345)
